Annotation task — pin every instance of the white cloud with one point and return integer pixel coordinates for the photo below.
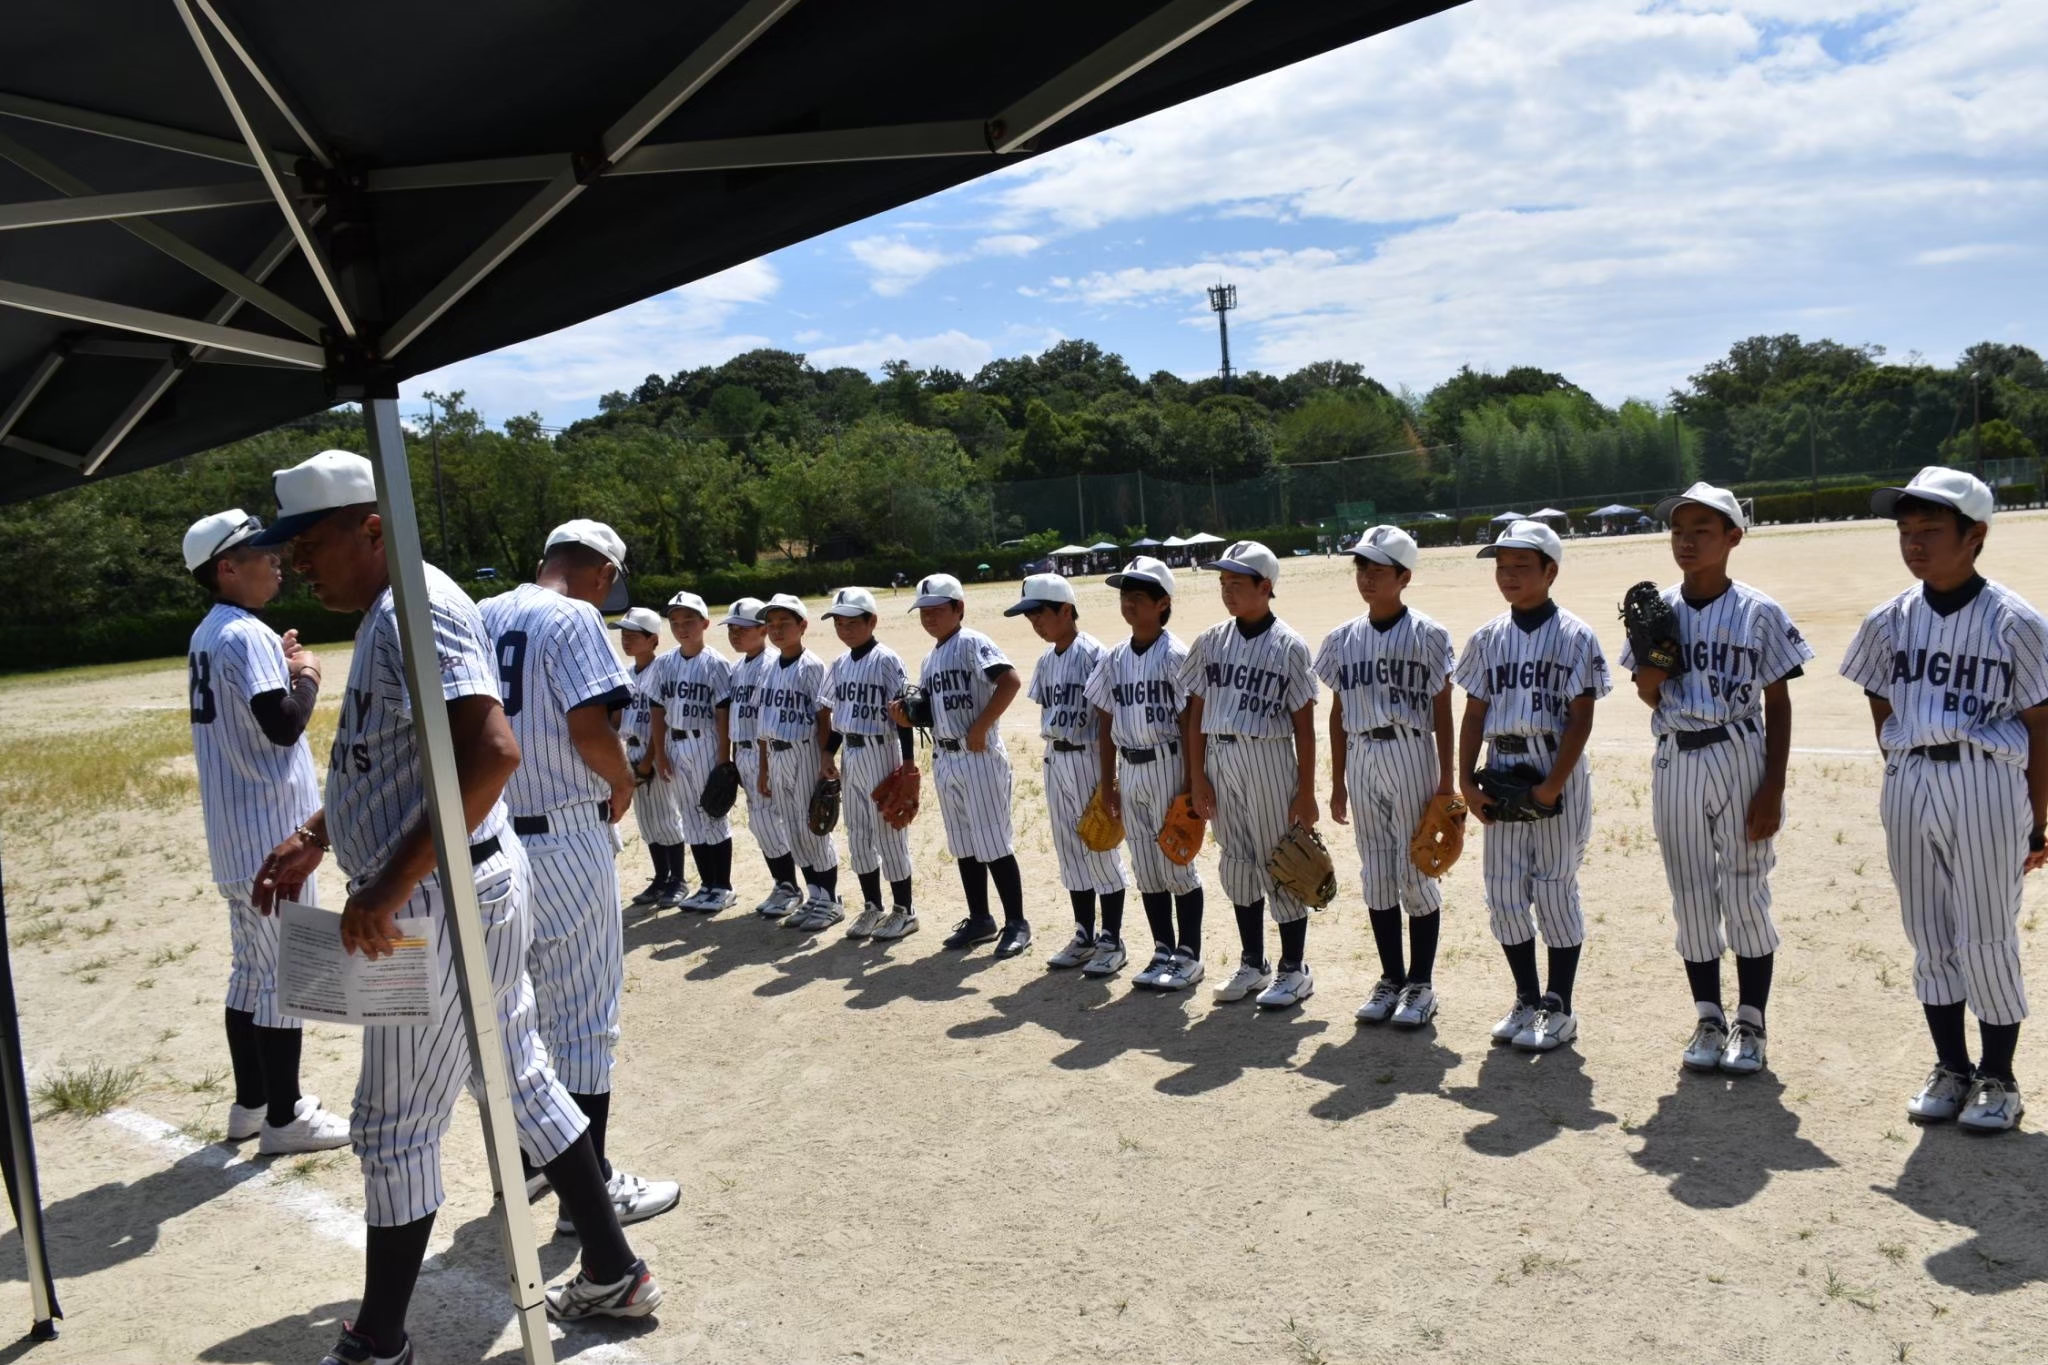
(807, 336)
(1965, 254)
(895, 264)
(1008, 244)
(952, 350)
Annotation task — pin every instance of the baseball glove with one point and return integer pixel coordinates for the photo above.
(721, 789)
(1440, 838)
(1652, 629)
(896, 796)
(1099, 829)
(824, 813)
(1300, 865)
(1180, 833)
(1511, 795)
(917, 704)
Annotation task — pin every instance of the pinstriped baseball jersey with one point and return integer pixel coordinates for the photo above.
(1735, 646)
(1387, 676)
(252, 793)
(373, 771)
(1250, 684)
(746, 685)
(1964, 675)
(859, 685)
(1059, 684)
(1528, 677)
(957, 675)
(690, 690)
(788, 698)
(553, 656)
(639, 714)
(1142, 691)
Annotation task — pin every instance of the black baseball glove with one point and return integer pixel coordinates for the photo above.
(917, 705)
(721, 789)
(1511, 795)
(1652, 629)
(824, 813)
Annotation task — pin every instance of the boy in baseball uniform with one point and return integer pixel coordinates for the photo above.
(1723, 726)
(1956, 670)
(1252, 764)
(970, 683)
(562, 688)
(375, 821)
(1141, 709)
(1391, 743)
(653, 804)
(792, 758)
(1531, 676)
(692, 690)
(748, 636)
(1073, 768)
(252, 694)
(861, 738)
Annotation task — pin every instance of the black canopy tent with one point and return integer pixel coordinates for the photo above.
(216, 217)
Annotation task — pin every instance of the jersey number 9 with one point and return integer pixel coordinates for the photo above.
(512, 671)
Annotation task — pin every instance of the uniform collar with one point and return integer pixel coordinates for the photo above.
(1531, 621)
(1256, 628)
(861, 651)
(1384, 626)
(1954, 599)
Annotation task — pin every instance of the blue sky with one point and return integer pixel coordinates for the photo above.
(1613, 190)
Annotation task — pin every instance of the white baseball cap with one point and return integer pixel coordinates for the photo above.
(746, 611)
(1140, 571)
(938, 590)
(641, 619)
(211, 537)
(1527, 535)
(1247, 557)
(852, 602)
(1955, 488)
(686, 601)
(1705, 495)
(1388, 545)
(1041, 590)
(788, 602)
(312, 489)
(591, 535)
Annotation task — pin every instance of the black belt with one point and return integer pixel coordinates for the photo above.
(523, 825)
(686, 734)
(1519, 744)
(1148, 755)
(1385, 732)
(951, 746)
(862, 741)
(1689, 740)
(743, 744)
(1062, 746)
(1223, 739)
(479, 854)
(782, 746)
(1939, 753)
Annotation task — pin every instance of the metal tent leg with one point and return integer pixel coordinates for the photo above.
(451, 849)
(23, 1189)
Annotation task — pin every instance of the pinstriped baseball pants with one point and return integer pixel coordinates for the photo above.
(252, 954)
(694, 758)
(1070, 782)
(870, 842)
(657, 811)
(792, 775)
(1254, 782)
(1956, 837)
(1389, 783)
(1536, 866)
(1699, 803)
(769, 835)
(577, 961)
(974, 800)
(1148, 788)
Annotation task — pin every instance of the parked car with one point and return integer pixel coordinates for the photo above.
(486, 572)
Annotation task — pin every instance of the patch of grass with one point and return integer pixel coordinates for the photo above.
(1902, 1351)
(207, 1083)
(1538, 1263)
(95, 930)
(725, 1182)
(1841, 837)
(1126, 1144)
(37, 931)
(1892, 1252)
(306, 1167)
(1717, 1279)
(164, 957)
(1894, 1135)
(79, 773)
(86, 1093)
(1305, 1345)
(1837, 1288)
(204, 1133)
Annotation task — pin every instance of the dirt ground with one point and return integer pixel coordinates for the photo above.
(893, 1153)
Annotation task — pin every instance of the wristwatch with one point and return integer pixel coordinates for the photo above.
(306, 832)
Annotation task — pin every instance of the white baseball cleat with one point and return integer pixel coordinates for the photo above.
(1379, 1006)
(633, 1199)
(1514, 1021)
(1186, 973)
(1553, 1026)
(900, 922)
(1152, 976)
(1993, 1107)
(1079, 949)
(313, 1129)
(635, 1296)
(1109, 958)
(869, 920)
(1248, 979)
(779, 902)
(819, 912)
(709, 900)
(1416, 1007)
(1941, 1098)
(245, 1121)
(1744, 1055)
(1709, 1041)
(1288, 989)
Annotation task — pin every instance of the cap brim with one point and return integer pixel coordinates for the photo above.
(1885, 500)
(1232, 566)
(919, 604)
(1493, 551)
(840, 609)
(1028, 605)
(1377, 556)
(281, 531)
(1120, 581)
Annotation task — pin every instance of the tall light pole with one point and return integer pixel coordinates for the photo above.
(1976, 419)
(1223, 298)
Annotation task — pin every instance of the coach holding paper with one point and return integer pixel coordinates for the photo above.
(374, 820)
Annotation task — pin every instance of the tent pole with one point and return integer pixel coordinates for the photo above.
(464, 921)
(23, 1189)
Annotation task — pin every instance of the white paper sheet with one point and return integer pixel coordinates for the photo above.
(318, 980)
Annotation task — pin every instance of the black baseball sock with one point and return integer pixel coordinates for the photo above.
(721, 863)
(1159, 914)
(1084, 910)
(1386, 934)
(783, 868)
(598, 1109)
(900, 892)
(1705, 980)
(678, 864)
(1293, 943)
(1188, 910)
(1422, 934)
(1251, 930)
(1564, 970)
(1951, 1044)
(706, 858)
(2000, 1042)
(1009, 880)
(246, 1058)
(974, 883)
(1753, 983)
(826, 879)
(1113, 913)
(1522, 962)
(580, 1192)
(870, 887)
(277, 1049)
(391, 1266)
